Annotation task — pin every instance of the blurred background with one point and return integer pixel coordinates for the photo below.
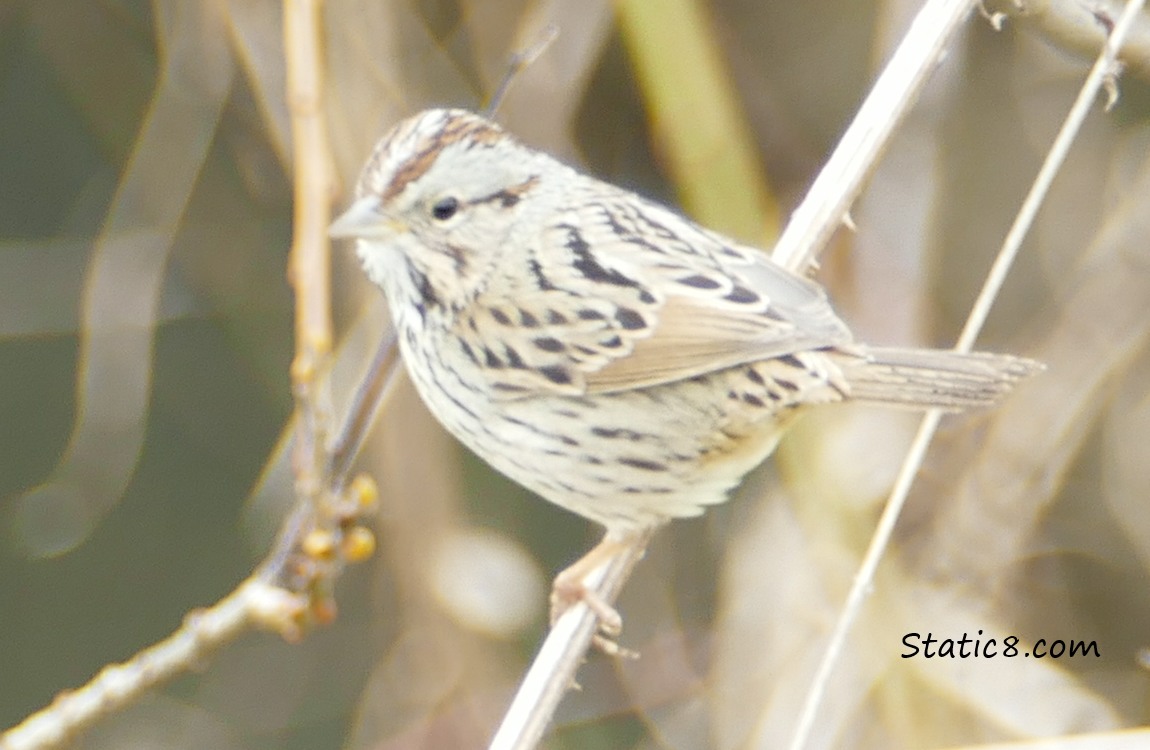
(145, 336)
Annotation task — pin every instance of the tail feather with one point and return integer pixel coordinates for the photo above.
(935, 378)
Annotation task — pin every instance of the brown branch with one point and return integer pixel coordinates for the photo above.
(309, 270)
(291, 588)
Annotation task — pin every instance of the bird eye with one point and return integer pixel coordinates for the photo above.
(445, 208)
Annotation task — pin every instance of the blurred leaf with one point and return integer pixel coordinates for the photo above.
(695, 114)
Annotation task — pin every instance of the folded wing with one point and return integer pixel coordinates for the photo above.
(625, 294)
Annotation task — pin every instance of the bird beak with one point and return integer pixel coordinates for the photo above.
(363, 219)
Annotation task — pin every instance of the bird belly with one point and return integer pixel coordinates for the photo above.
(625, 459)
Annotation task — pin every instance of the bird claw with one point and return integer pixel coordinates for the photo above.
(570, 588)
(566, 593)
(611, 647)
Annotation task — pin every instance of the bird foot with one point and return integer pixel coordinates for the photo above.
(570, 588)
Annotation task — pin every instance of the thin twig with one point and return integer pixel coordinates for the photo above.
(369, 395)
(520, 61)
(116, 686)
(1081, 27)
(309, 269)
(260, 601)
(310, 262)
(1103, 70)
(552, 672)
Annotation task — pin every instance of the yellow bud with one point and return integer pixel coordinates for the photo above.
(358, 544)
(318, 544)
(364, 491)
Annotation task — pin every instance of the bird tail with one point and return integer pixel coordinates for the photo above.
(934, 378)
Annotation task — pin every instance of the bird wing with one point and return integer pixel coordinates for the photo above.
(621, 293)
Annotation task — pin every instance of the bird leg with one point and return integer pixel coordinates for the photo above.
(570, 588)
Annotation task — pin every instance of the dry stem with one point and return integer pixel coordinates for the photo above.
(1103, 71)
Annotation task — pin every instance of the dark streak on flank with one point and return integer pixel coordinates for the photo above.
(642, 463)
(792, 361)
(754, 376)
(500, 317)
(548, 344)
(527, 320)
(513, 358)
(458, 404)
(615, 434)
(544, 433)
